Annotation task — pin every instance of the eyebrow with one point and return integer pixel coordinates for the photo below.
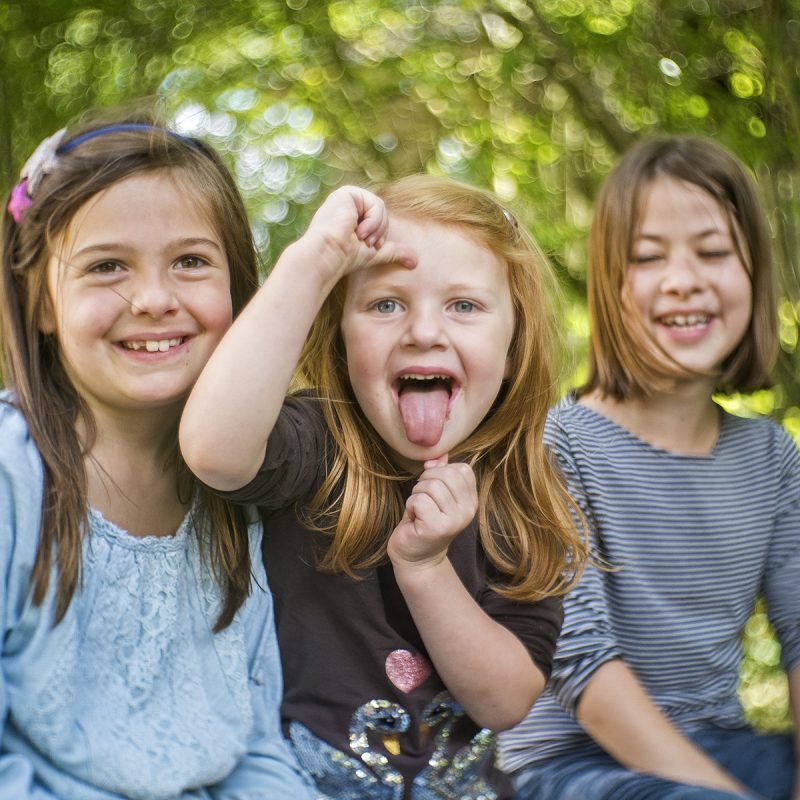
(189, 241)
(383, 286)
(699, 235)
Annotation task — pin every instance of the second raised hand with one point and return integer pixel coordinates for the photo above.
(442, 503)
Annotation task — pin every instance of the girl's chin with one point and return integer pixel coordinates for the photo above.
(407, 463)
(412, 458)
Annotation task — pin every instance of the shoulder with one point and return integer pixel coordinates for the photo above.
(21, 488)
(562, 435)
(300, 429)
(301, 419)
(20, 463)
(295, 458)
(573, 429)
(759, 428)
(303, 408)
(570, 418)
(760, 442)
(560, 418)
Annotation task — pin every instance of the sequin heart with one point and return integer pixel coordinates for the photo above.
(407, 671)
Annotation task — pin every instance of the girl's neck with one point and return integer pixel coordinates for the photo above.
(684, 420)
(132, 473)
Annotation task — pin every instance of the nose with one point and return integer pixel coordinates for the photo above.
(425, 329)
(153, 295)
(683, 275)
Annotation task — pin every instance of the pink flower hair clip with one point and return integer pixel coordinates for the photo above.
(19, 202)
(43, 161)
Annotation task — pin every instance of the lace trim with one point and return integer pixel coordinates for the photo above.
(132, 692)
(100, 526)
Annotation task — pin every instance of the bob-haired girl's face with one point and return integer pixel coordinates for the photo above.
(427, 348)
(139, 294)
(685, 277)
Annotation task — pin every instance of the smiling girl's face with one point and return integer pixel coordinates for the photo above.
(139, 294)
(686, 278)
(427, 348)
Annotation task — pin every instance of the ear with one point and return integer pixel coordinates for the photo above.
(508, 368)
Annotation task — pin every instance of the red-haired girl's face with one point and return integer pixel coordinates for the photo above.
(427, 348)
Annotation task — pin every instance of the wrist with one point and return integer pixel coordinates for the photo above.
(420, 572)
(319, 266)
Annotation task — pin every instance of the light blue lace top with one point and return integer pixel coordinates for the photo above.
(131, 695)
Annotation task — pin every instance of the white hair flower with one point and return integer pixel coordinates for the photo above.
(43, 161)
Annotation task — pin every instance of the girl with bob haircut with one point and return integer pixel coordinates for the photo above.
(695, 511)
(418, 538)
(139, 658)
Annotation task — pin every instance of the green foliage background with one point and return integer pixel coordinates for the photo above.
(534, 99)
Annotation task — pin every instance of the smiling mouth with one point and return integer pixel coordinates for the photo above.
(685, 320)
(153, 345)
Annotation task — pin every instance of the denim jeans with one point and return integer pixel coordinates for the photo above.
(765, 763)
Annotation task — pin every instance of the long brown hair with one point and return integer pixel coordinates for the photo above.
(526, 527)
(619, 364)
(90, 159)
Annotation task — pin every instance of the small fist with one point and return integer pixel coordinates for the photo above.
(443, 503)
(348, 233)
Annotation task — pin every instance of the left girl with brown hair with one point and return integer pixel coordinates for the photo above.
(139, 657)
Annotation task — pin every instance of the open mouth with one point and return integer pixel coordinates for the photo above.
(153, 345)
(425, 402)
(685, 321)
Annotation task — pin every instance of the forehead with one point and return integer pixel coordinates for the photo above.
(158, 201)
(448, 256)
(668, 203)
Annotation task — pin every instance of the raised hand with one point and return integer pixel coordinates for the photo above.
(348, 233)
(443, 502)
(246, 379)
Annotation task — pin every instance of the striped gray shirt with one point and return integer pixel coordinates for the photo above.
(696, 540)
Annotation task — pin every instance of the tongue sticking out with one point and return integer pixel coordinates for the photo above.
(424, 411)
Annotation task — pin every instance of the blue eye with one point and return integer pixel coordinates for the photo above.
(386, 306)
(463, 306)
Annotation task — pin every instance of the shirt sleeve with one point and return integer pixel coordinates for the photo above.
(21, 479)
(587, 639)
(294, 460)
(782, 573)
(536, 625)
(269, 769)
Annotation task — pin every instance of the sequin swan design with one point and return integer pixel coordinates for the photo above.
(375, 734)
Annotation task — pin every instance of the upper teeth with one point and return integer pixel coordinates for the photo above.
(414, 376)
(686, 319)
(153, 345)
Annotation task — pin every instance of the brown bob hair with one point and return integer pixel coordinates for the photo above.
(619, 365)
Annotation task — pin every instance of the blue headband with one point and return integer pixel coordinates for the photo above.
(45, 159)
(67, 146)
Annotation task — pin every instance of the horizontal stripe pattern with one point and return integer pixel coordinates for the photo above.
(693, 541)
